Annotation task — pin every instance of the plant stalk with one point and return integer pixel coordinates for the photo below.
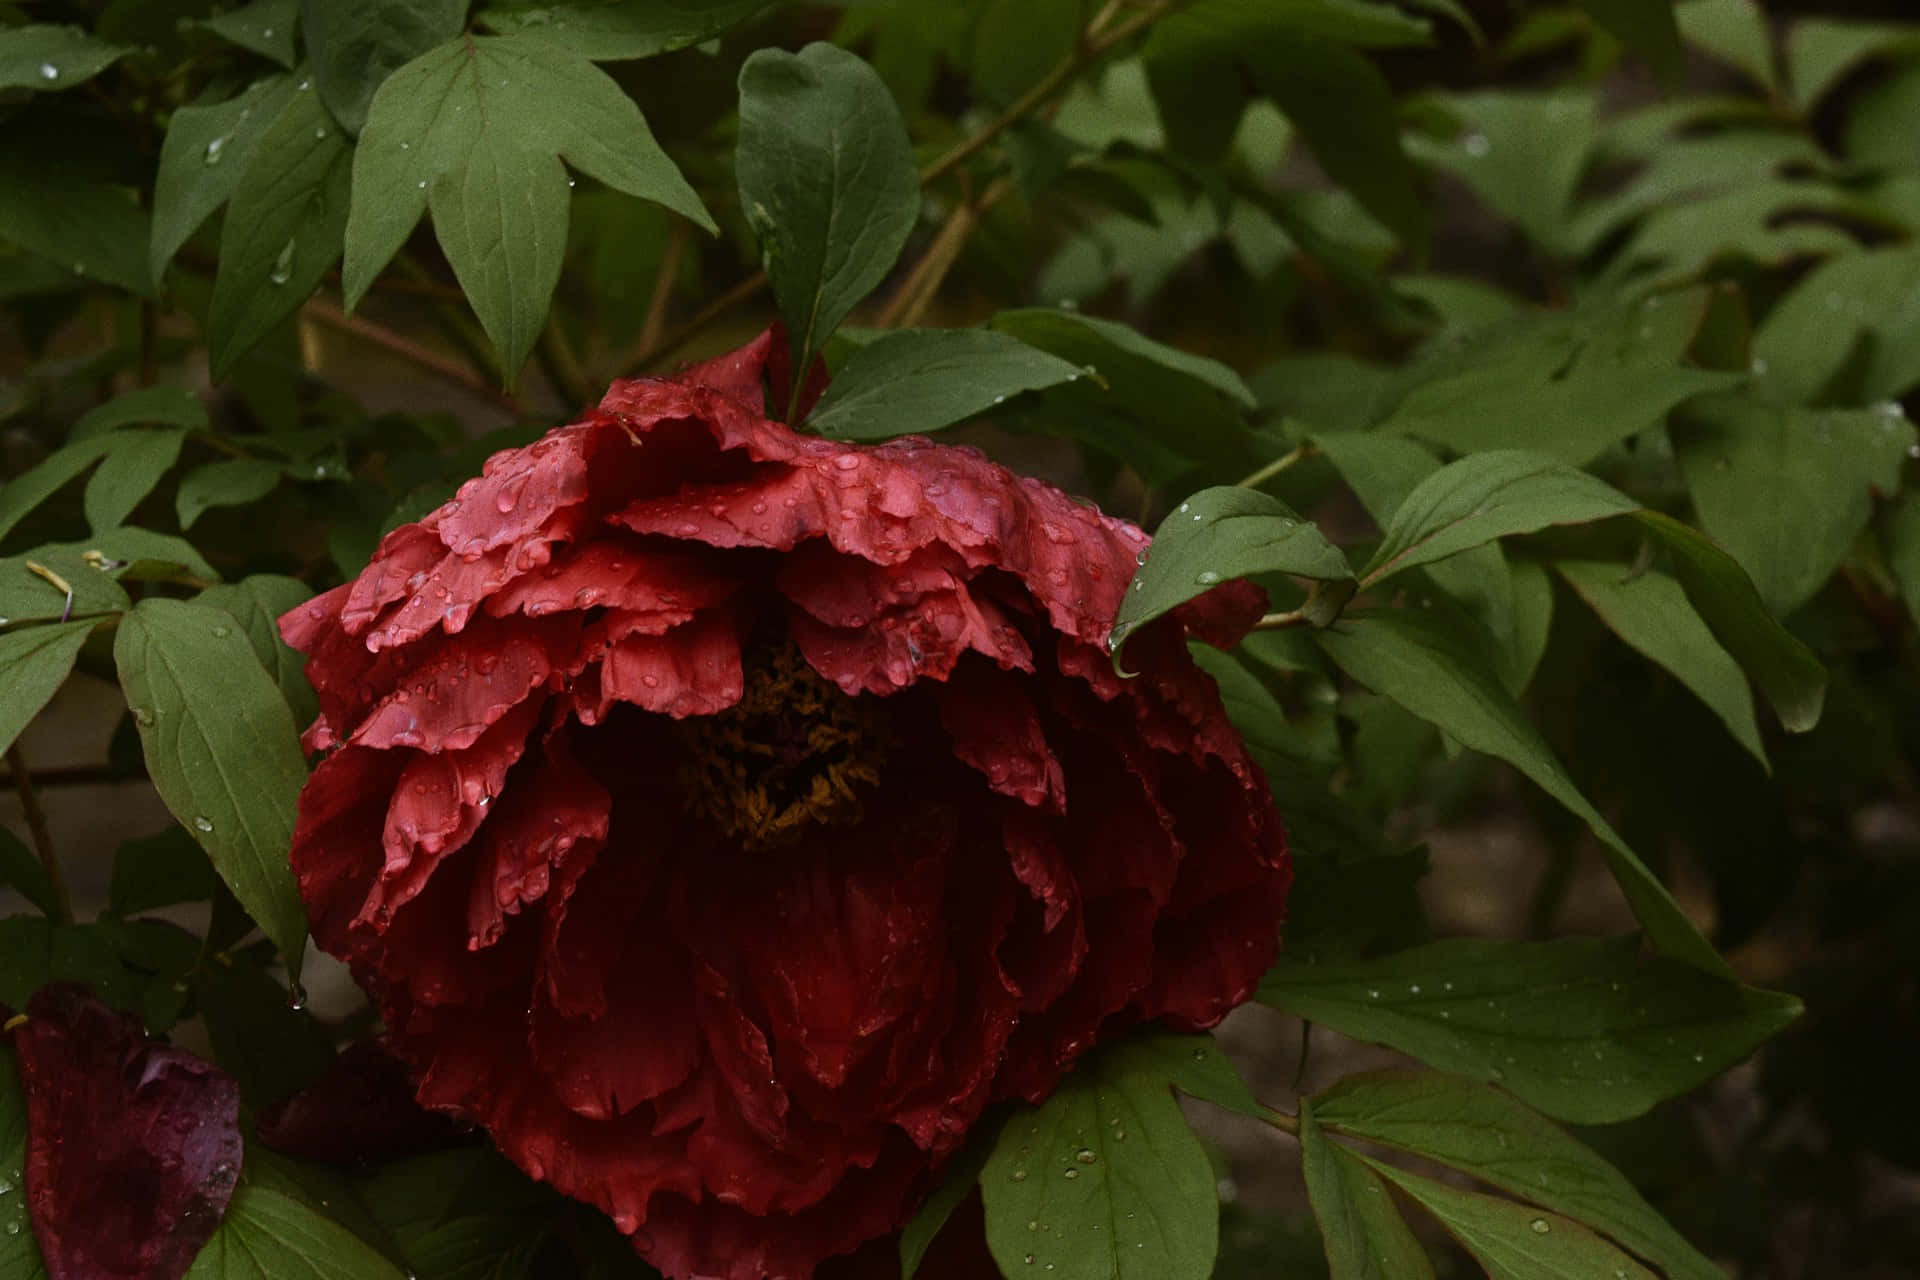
(42, 835)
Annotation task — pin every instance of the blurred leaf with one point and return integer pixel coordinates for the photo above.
(1484, 1133)
(1683, 167)
(1108, 1165)
(206, 150)
(34, 663)
(21, 871)
(1821, 52)
(1584, 1029)
(610, 30)
(1258, 715)
(231, 482)
(1770, 221)
(268, 1235)
(1879, 131)
(1483, 497)
(958, 1180)
(1849, 331)
(283, 229)
(51, 206)
(1366, 1238)
(354, 45)
(919, 380)
(1018, 43)
(475, 130)
(1645, 26)
(1650, 612)
(1734, 31)
(160, 870)
(19, 1251)
(34, 952)
(1521, 152)
(1215, 536)
(1787, 490)
(265, 26)
(134, 462)
(1512, 1241)
(827, 181)
(257, 604)
(272, 1049)
(222, 750)
(167, 404)
(1410, 657)
(1901, 536)
(46, 58)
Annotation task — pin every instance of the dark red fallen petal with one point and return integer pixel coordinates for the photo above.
(133, 1147)
(360, 1110)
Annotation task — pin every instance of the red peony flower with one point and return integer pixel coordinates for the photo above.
(725, 817)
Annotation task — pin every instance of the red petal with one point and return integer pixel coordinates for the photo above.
(451, 694)
(693, 670)
(133, 1148)
(996, 730)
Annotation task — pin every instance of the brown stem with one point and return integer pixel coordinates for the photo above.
(407, 349)
(678, 237)
(921, 286)
(645, 356)
(562, 366)
(42, 837)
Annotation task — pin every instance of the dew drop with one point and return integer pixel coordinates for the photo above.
(320, 133)
(1084, 1156)
(215, 149)
(1071, 1174)
(49, 72)
(1540, 1226)
(203, 824)
(1018, 1175)
(1207, 578)
(141, 715)
(1028, 1259)
(221, 633)
(1476, 145)
(282, 265)
(296, 997)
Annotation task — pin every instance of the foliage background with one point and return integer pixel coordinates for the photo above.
(1676, 255)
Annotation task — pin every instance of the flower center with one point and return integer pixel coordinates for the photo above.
(794, 751)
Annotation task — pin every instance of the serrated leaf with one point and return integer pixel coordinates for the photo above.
(222, 750)
(1115, 1184)
(22, 872)
(1425, 667)
(283, 229)
(265, 26)
(1366, 1238)
(1652, 614)
(1512, 1241)
(1483, 1132)
(206, 150)
(134, 462)
(34, 663)
(920, 380)
(1487, 496)
(827, 181)
(957, 1182)
(166, 404)
(58, 209)
(1785, 489)
(354, 45)
(613, 30)
(231, 482)
(45, 58)
(1217, 535)
(257, 603)
(1586, 1030)
(19, 1251)
(471, 130)
(268, 1235)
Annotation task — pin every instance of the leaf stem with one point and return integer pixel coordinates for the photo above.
(1297, 454)
(922, 284)
(644, 357)
(42, 835)
(679, 236)
(1285, 1123)
(407, 349)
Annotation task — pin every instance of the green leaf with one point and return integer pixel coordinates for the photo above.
(205, 152)
(1821, 52)
(1115, 1185)
(1512, 1241)
(957, 1182)
(146, 556)
(471, 130)
(34, 663)
(222, 751)
(1791, 677)
(45, 58)
(166, 404)
(268, 1235)
(919, 380)
(492, 1248)
(34, 952)
(1483, 1132)
(1652, 614)
(1215, 536)
(1522, 153)
(1646, 26)
(19, 1251)
(827, 181)
(25, 596)
(257, 603)
(272, 1049)
(160, 870)
(1411, 658)
(231, 482)
(1069, 334)
(1734, 31)
(22, 872)
(283, 230)
(134, 462)
(1017, 43)
(612, 30)
(1900, 534)
(1787, 490)
(355, 45)
(1366, 1238)
(59, 209)
(1585, 1029)
(1487, 496)
(1848, 332)
(265, 26)
(22, 494)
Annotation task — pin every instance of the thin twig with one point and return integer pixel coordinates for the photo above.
(679, 236)
(917, 292)
(407, 349)
(562, 366)
(643, 358)
(42, 836)
(1279, 464)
